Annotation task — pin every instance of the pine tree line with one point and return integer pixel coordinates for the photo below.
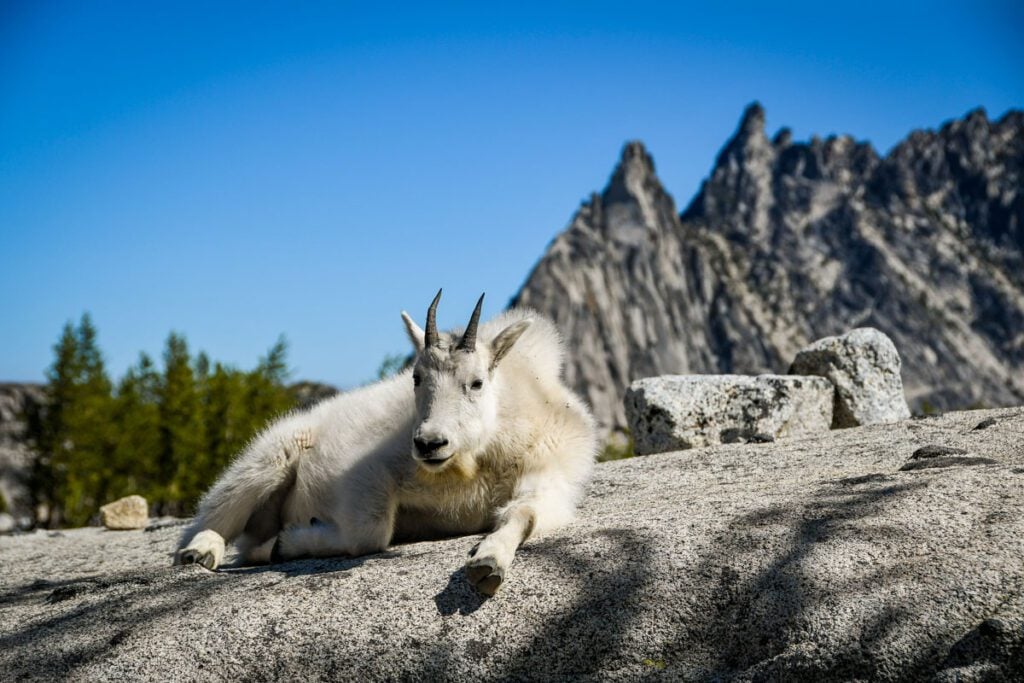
(164, 433)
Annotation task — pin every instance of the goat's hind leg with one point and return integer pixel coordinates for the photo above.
(366, 527)
(206, 548)
(257, 541)
(247, 498)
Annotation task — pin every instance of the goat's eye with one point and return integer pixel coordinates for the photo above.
(477, 384)
(415, 380)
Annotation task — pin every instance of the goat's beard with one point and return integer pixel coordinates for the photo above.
(460, 465)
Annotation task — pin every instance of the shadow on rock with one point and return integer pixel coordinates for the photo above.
(458, 596)
(994, 650)
(760, 626)
(310, 566)
(56, 646)
(592, 636)
(113, 607)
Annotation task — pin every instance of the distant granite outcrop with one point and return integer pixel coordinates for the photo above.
(307, 393)
(787, 242)
(18, 401)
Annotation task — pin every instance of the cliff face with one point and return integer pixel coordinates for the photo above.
(17, 402)
(787, 242)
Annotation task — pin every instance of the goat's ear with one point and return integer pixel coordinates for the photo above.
(414, 331)
(502, 344)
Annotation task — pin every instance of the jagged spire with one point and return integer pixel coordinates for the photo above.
(634, 171)
(753, 119)
(634, 149)
(977, 114)
(784, 138)
(742, 171)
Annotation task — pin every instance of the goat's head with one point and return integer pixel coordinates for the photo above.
(456, 391)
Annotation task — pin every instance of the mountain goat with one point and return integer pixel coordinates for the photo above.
(479, 435)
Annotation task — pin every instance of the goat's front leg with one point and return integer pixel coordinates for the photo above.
(486, 567)
(540, 504)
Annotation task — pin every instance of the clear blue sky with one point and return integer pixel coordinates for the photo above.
(237, 171)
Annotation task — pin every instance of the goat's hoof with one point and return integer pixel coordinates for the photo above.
(195, 556)
(485, 574)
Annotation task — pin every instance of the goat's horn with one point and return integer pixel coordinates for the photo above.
(430, 337)
(468, 342)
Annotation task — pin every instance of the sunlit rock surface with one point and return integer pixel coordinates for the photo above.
(810, 559)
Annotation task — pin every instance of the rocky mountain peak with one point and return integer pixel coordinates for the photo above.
(976, 117)
(752, 121)
(633, 177)
(634, 161)
(783, 138)
(789, 241)
(741, 178)
(634, 203)
(749, 141)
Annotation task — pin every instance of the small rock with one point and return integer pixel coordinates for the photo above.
(934, 451)
(674, 412)
(131, 512)
(737, 435)
(7, 523)
(865, 368)
(761, 438)
(984, 424)
(946, 461)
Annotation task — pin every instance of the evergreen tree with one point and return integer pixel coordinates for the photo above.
(50, 435)
(76, 437)
(229, 419)
(181, 428)
(136, 417)
(166, 435)
(200, 465)
(267, 394)
(91, 429)
(392, 364)
(241, 404)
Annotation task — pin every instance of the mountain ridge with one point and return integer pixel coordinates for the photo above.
(786, 242)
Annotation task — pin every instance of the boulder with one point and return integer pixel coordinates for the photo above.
(864, 366)
(674, 412)
(811, 559)
(7, 523)
(130, 512)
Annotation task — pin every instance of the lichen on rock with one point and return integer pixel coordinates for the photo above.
(675, 412)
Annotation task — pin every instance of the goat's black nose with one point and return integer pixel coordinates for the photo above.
(424, 447)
